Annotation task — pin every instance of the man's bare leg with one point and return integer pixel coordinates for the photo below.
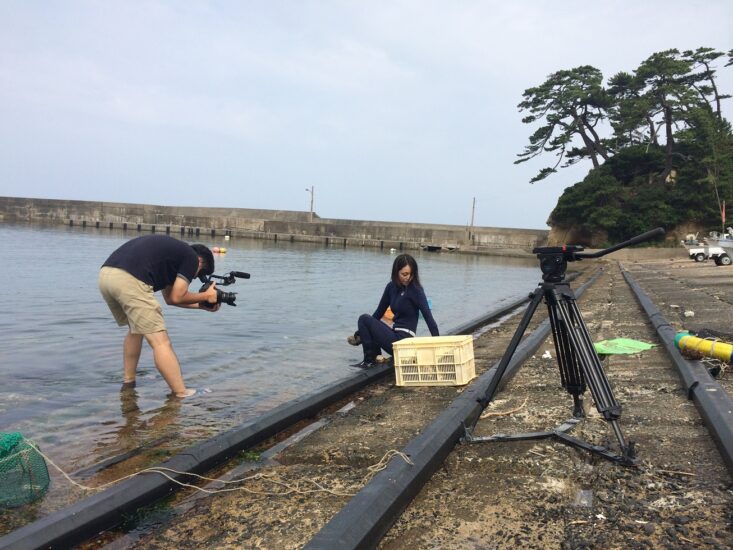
(130, 356)
(167, 363)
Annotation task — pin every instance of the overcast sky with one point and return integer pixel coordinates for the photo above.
(393, 110)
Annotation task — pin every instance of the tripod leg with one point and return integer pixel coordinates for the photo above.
(592, 369)
(536, 298)
(586, 357)
(571, 375)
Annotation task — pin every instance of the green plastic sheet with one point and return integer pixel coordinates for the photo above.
(621, 346)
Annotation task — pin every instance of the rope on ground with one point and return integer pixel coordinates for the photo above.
(715, 367)
(288, 489)
(649, 468)
(503, 413)
(382, 464)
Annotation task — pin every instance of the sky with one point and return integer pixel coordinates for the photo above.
(399, 110)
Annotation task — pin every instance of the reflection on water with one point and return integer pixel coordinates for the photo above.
(60, 353)
(138, 433)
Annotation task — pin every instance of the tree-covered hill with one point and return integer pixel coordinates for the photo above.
(661, 150)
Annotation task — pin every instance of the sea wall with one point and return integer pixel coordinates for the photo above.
(16, 209)
(268, 224)
(445, 235)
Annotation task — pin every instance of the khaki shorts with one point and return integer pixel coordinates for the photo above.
(131, 301)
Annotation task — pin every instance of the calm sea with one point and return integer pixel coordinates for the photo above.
(60, 351)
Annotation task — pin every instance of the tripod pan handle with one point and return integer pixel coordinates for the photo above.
(648, 236)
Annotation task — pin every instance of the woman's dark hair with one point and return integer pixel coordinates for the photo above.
(401, 261)
(205, 254)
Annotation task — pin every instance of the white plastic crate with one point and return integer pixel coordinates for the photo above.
(434, 361)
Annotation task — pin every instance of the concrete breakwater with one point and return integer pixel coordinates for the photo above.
(267, 224)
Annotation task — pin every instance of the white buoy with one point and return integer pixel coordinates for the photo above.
(226, 237)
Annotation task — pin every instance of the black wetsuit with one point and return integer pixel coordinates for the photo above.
(406, 304)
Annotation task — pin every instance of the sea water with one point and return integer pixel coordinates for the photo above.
(61, 351)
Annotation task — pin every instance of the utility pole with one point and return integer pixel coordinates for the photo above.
(473, 211)
(310, 217)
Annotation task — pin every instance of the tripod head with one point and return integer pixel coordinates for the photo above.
(554, 259)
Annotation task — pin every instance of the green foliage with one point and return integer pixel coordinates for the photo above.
(571, 102)
(251, 456)
(668, 155)
(618, 199)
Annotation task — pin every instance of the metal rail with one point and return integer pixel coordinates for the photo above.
(712, 401)
(104, 510)
(368, 516)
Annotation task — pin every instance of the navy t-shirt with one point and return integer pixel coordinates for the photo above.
(156, 260)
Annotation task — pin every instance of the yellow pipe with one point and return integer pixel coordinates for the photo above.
(709, 348)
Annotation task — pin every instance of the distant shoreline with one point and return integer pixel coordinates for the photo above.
(293, 226)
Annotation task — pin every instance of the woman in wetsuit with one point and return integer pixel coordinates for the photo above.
(405, 296)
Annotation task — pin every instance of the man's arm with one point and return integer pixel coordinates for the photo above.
(178, 295)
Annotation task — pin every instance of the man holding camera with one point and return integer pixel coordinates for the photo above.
(128, 280)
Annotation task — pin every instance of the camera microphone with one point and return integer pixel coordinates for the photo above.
(241, 274)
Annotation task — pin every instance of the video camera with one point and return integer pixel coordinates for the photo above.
(222, 297)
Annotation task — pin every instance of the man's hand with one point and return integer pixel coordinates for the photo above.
(178, 295)
(211, 293)
(211, 298)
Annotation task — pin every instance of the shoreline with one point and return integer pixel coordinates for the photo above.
(515, 493)
(260, 223)
(189, 232)
(534, 494)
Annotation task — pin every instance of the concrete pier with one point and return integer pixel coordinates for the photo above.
(293, 226)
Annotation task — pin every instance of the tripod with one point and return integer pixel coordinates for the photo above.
(580, 367)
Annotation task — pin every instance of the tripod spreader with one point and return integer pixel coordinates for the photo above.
(579, 365)
(561, 434)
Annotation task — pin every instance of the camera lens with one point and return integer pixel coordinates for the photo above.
(226, 297)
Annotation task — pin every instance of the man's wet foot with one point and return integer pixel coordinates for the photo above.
(192, 392)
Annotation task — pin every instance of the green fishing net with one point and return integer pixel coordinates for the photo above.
(23, 471)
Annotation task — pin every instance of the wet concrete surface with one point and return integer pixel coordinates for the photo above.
(539, 494)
